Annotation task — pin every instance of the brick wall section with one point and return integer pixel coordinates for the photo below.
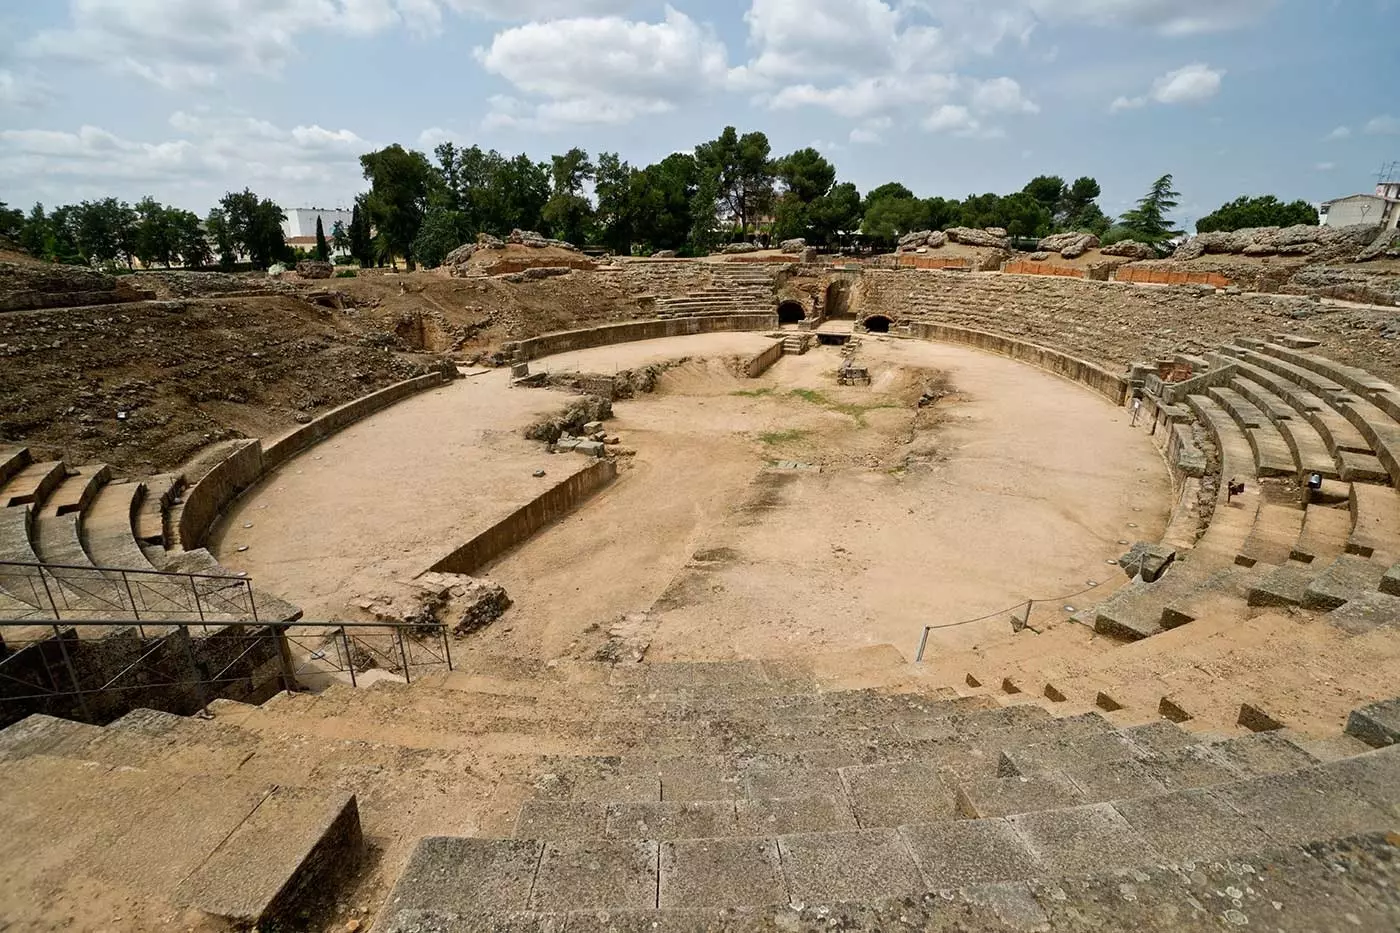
(609, 334)
(517, 527)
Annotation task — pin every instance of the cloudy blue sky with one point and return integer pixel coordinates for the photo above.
(184, 99)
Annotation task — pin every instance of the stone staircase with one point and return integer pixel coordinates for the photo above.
(743, 795)
(695, 288)
(796, 344)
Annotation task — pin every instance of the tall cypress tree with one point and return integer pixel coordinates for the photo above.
(323, 249)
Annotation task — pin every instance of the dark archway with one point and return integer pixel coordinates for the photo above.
(877, 324)
(838, 301)
(790, 312)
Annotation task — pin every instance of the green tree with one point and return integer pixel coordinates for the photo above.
(11, 221)
(805, 173)
(616, 215)
(155, 233)
(1079, 209)
(35, 236)
(221, 237)
(742, 172)
(669, 210)
(1047, 190)
(254, 227)
(105, 231)
(1147, 223)
(361, 238)
(340, 238)
(835, 213)
(323, 249)
(438, 236)
(189, 238)
(892, 210)
(400, 182)
(1265, 211)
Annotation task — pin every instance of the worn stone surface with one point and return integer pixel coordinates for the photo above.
(1191, 824)
(721, 873)
(595, 874)
(1377, 724)
(963, 852)
(850, 866)
(891, 794)
(1002, 796)
(791, 815)
(466, 876)
(702, 819)
(1081, 840)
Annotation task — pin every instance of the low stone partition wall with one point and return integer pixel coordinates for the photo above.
(312, 433)
(1043, 268)
(208, 498)
(629, 331)
(521, 524)
(1112, 387)
(1139, 275)
(759, 364)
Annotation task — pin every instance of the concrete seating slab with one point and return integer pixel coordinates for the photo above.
(969, 852)
(460, 876)
(1377, 724)
(1189, 767)
(595, 874)
(107, 529)
(895, 793)
(1357, 467)
(1366, 612)
(1274, 535)
(781, 816)
(1282, 586)
(850, 866)
(1374, 776)
(1191, 824)
(1115, 780)
(1375, 532)
(1272, 456)
(290, 850)
(561, 819)
(1303, 806)
(689, 819)
(1324, 535)
(12, 460)
(1081, 840)
(1158, 736)
(1047, 790)
(32, 484)
(721, 873)
(1262, 753)
(1346, 578)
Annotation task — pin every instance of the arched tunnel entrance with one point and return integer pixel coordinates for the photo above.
(877, 324)
(838, 301)
(790, 312)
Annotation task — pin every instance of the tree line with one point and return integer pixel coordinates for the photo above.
(729, 188)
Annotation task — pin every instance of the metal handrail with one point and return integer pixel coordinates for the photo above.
(152, 572)
(343, 636)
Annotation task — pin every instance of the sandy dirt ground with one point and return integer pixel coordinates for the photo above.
(385, 499)
(1018, 485)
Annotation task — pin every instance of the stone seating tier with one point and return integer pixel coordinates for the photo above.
(698, 796)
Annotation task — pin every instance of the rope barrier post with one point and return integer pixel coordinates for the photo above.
(923, 642)
(1026, 622)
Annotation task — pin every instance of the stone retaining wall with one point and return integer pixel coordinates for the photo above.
(521, 524)
(759, 364)
(1114, 388)
(627, 332)
(208, 498)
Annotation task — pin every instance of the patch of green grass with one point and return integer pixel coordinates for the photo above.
(858, 412)
(754, 393)
(783, 437)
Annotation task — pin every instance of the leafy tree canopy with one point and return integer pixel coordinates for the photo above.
(1265, 211)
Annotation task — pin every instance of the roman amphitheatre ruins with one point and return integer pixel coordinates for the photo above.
(955, 589)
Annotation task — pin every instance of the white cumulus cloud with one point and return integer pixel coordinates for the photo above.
(1383, 126)
(1190, 84)
(602, 69)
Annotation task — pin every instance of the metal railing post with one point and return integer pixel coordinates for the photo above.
(131, 597)
(403, 653)
(923, 642)
(284, 654)
(201, 672)
(349, 658)
(73, 675)
(194, 589)
(47, 595)
(446, 648)
(252, 605)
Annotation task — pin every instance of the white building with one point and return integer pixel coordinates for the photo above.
(301, 221)
(1380, 209)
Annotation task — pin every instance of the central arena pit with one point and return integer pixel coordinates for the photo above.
(757, 516)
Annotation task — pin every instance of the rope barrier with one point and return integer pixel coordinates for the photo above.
(1027, 604)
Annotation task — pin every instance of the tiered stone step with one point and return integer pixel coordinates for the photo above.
(1272, 456)
(1307, 446)
(141, 836)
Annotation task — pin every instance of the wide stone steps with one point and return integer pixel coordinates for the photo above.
(157, 842)
(1304, 442)
(1272, 456)
(463, 877)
